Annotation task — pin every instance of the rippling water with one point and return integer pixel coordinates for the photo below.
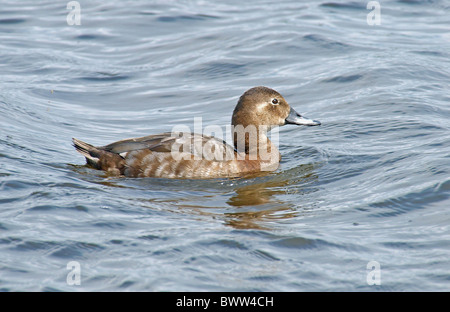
(371, 184)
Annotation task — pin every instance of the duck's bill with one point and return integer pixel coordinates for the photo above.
(297, 119)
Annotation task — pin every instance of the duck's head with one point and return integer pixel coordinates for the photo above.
(264, 106)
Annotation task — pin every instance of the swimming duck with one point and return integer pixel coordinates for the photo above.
(191, 155)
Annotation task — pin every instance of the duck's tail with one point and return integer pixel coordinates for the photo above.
(100, 158)
(89, 151)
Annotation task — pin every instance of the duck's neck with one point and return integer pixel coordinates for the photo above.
(253, 141)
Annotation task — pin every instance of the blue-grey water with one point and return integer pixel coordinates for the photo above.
(372, 184)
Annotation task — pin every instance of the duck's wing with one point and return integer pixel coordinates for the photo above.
(157, 143)
(195, 144)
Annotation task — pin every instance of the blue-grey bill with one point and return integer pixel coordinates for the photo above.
(297, 119)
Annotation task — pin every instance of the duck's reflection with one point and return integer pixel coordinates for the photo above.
(261, 197)
(258, 219)
(247, 203)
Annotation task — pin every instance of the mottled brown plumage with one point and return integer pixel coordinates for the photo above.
(190, 155)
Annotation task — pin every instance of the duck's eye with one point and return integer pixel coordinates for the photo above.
(275, 101)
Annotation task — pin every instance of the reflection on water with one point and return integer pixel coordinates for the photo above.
(256, 200)
(264, 194)
(258, 219)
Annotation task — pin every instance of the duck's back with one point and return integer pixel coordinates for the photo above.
(168, 155)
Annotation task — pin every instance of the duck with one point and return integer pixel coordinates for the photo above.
(187, 155)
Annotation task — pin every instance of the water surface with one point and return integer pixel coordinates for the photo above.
(370, 184)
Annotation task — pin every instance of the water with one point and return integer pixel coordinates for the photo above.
(370, 184)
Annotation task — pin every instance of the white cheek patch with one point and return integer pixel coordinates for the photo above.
(123, 155)
(261, 106)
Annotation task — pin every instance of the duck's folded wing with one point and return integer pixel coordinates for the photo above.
(158, 143)
(200, 146)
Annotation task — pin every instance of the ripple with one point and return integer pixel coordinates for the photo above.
(326, 43)
(183, 18)
(294, 242)
(344, 5)
(36, 245)
(228, 244)
(91, 37)
(12, 21)
(76, 250)
(412, 201)
(264, 255)
(219, 70)
(342, 79)
(105, 77)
